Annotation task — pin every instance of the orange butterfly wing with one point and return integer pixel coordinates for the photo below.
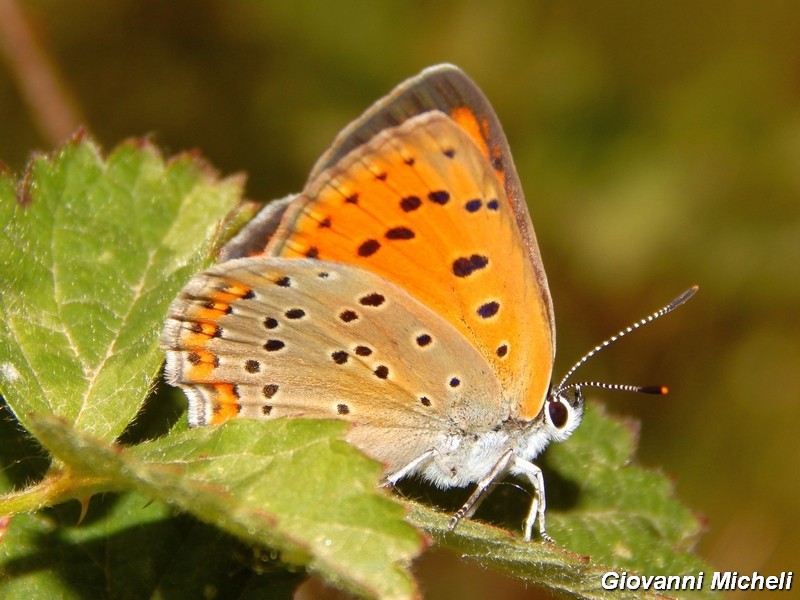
(431, 201)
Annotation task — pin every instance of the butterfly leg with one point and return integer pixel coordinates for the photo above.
(392, 478)
(483, 488)
(534, 475)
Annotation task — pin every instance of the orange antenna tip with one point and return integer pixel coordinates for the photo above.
(659, 390)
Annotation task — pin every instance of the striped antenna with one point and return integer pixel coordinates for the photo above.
(629, 388)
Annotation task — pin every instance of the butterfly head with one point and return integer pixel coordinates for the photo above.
(563, 411)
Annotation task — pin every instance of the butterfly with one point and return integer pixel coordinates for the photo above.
(401, 291)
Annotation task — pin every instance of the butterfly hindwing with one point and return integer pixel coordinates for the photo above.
(268, 337)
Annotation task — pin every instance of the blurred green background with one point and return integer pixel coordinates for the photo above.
(658, 144)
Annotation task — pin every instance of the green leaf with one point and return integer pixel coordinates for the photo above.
(623, 515)
(275, 484)
(128, 546)
(95, 251)
(92, 253)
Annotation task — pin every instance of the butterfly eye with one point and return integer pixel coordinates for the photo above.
(558, 412)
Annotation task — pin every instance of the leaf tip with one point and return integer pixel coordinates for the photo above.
(196, 158)
(24, 196)
(80, 135)
(144, 142)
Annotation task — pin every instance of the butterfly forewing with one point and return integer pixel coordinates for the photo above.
(420, 205)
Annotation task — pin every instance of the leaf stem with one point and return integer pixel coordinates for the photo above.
(57, 487)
